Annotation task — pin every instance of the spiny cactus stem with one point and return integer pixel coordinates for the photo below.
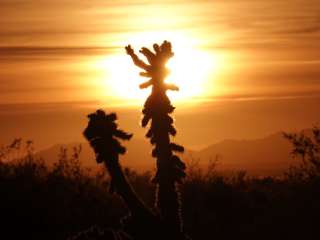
(168, 199)
(170, 169)
(124, 189)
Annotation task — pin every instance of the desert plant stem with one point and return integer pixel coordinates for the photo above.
(124, 189)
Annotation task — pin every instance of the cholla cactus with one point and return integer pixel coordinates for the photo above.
(102, 132)
(156, 69)
(157, 109)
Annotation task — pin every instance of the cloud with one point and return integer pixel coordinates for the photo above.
(236, 23)
(38, 52)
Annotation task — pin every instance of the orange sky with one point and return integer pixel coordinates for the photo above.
(253, 51)
(52, 50)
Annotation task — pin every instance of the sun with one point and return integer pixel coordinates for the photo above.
(189, 69)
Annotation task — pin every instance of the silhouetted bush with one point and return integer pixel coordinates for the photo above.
(38, 202)
(53, 203)
(307, 148)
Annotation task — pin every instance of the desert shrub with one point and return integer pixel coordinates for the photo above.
(55, 202)
(307, 148)
(46, 203)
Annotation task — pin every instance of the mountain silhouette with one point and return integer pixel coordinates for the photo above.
(138, 154)
(267, 156)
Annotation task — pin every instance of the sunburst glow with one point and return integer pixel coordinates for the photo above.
(189, 69)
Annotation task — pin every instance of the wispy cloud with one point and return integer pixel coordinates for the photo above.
(233, 23)
(22, 51)
(251, 32)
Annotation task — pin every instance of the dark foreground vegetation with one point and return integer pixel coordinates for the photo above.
(38, 202)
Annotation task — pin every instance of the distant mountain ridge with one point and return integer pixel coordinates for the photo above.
(268, 155)
(136, 149)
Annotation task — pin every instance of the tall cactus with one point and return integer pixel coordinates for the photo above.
(157, 109)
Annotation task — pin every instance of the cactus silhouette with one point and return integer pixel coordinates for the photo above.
(103, 135)
(157, 110)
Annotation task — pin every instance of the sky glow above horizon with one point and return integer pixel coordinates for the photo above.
(56, 51)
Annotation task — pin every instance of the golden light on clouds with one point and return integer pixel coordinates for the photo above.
(223, 49)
